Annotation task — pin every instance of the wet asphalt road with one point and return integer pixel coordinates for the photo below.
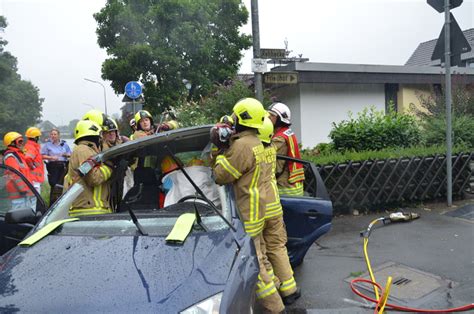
(436, 243)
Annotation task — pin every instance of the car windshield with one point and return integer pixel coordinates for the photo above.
(148, 181)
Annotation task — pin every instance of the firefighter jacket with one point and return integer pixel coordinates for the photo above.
(106, 144)
(96, 196)
(34, 160)
(273, 206)
(290, 175)
(241, 164)
(15, 185)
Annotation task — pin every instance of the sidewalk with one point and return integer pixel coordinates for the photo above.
(432, 259)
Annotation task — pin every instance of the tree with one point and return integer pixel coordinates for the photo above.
(168, 43)
(210, 109)
(20, 104)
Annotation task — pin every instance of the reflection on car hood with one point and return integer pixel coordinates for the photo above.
(115, 274)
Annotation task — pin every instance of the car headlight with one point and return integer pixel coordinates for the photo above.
(209, 305)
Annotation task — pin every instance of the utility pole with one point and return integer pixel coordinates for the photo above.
(256, 49)
(447, 71)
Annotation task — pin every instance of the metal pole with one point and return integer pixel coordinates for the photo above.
(447, 66)
(256, 49)
(105, 97)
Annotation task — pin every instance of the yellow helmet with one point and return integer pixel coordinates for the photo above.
(172, 124)
(250, 113)
(265, 134)
(86, 128)
(95, 115)
(11, 137)
(227, 120)
(142, 114)
(168, 164)
(33, 132)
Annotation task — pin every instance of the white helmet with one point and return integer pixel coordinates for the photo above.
(132, 122)
(281, 110)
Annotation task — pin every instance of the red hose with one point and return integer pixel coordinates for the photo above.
(403, 308)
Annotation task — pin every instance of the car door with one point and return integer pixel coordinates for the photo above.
(307, 217)
(12, 234)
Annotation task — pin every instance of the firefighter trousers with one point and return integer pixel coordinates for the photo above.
(267, 293)
(275, 255)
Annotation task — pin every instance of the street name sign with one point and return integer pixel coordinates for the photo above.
(272, 53)
(281, 78)
(133, 89)
(259, 65)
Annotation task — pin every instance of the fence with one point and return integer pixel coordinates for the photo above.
(373, 183)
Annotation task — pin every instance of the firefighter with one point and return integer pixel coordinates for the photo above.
(241, 164)
(18, 191)
(95, 197)
(144, 124)
(34, 158)
(290, 175)
(274, 249)
(110, 134)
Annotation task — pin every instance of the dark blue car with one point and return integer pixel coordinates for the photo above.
(122, 262)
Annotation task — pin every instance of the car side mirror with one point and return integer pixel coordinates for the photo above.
(22, 215)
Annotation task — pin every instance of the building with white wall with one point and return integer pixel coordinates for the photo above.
(325, 92)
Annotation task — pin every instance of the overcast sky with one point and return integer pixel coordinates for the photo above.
(56, 44)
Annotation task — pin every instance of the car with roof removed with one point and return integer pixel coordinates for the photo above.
(181, 251)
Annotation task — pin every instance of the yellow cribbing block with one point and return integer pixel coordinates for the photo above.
(181, 229)
(40, 234)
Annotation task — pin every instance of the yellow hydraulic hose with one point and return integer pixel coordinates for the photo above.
(367, 261)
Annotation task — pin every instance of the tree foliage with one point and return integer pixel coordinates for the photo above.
(167, 43)
(20, 104)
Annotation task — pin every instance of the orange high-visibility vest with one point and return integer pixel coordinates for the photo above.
(16, 186)
(296, 169)
(34, 160)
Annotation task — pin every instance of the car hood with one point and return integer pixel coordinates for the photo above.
(118, 273)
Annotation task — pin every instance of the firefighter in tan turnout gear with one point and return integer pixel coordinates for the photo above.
(95, 198)
(290, 175)
(241, 164)
(274, 249)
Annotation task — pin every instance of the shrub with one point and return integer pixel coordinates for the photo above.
(208, 110)
(435, 130)
(375, 130)
(415, 151)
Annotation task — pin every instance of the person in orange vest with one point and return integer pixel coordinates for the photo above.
(34, 158)
(19, 193)
(290, 175)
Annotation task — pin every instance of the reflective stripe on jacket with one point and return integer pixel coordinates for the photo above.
(95, 198)
(287, 145)
(34, 160)
(295, 169)
(15, 185)
(241, 164)
(273, 205)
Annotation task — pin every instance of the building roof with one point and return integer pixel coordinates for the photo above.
(424, 51)
(312, 72)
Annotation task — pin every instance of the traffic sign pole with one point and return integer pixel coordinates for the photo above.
(256, 49)
(447, 67)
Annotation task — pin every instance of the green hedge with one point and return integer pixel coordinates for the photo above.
(336, 158)
(375, 130)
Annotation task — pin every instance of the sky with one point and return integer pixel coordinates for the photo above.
(56, 44)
